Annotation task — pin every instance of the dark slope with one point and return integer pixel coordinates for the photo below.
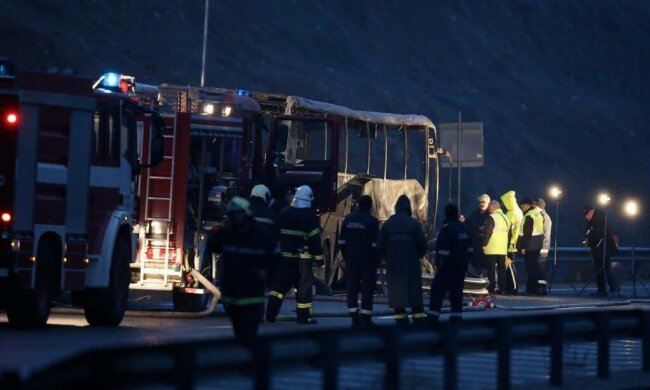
(563, 87)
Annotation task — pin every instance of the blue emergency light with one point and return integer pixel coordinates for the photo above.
(243, 92)
(111, 80)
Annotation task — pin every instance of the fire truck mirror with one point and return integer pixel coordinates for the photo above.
(157, 142)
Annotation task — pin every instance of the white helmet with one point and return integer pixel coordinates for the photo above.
(261, 191)
(303, 198)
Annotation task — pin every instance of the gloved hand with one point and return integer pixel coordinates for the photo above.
(508, 262)
(318, 263)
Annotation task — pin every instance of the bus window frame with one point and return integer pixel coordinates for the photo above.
(330, 132)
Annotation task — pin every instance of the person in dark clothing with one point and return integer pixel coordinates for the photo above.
(530, 243)
(475, 225)
(402, 243)
(264, 216)
(300, 240)
(601, 256)
(247, 252)
(452, 257)
(358, 244)
(262, 212)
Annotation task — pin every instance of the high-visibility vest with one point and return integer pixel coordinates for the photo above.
(498, 243)
(538, 222)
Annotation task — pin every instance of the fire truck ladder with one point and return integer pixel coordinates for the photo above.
(159, 264)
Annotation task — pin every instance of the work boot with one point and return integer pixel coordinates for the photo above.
(433, 321)
(365, 320)
(354, 316)
(304, 316)
(401, 320)
(273, 308)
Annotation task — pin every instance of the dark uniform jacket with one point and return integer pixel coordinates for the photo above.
(527, 240)
(474, 225)
(244, 262)
(402, 243)
(594, 236)
(264, 215)
(453, 247)
(358, 237)
(300, 233)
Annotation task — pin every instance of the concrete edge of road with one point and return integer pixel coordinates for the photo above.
(621, 380)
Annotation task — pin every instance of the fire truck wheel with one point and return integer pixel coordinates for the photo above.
(106, 306)
(31, 308)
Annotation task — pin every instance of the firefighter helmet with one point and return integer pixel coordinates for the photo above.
(303, 198)
(239, 204)
(261, 191)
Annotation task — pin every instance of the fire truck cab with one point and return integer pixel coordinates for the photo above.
(213, 151)
(69, 169)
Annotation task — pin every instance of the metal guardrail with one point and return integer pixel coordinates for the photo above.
(642, 254)
(182, 365)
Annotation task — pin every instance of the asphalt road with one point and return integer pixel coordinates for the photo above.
(68, 334)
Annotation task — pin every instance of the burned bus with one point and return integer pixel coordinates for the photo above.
(343, 154)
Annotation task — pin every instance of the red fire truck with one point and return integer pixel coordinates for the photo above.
(69, 167)
(213, 151)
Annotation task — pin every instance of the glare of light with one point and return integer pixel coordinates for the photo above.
(604, 199)
(111, 79)
(208, 109)
(6, 217)
(226, 111)
(12, 118)
(555, 192)
(631, 208)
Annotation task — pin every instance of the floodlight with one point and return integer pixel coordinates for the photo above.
(604, 199)
(631, 208)
(555, 192)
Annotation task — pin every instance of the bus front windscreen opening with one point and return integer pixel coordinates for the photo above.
(304, 140)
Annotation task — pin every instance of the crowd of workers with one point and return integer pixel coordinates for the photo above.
(263, 249)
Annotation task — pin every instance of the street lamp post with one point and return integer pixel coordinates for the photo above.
(554, 192)
(631, 209)
(604, 199)
(205, 41)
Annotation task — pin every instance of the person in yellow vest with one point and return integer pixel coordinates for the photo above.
(496, 237)
(530, 243)
(516, 217)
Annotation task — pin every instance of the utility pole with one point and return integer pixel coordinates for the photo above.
(459, 158)
(205, 41)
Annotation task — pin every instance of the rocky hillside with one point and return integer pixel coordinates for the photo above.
(562, 86)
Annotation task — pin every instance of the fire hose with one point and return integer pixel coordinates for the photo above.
(216, 294)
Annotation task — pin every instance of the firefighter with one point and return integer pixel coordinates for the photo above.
(516, 217)
(358, 244)
(496, 237)
(262, 212)
(247, 251)
(453, 248)
(300, 240)
(402, 243)
(531, 240)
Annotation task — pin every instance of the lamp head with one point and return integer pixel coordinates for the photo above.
(554, 192)
(603, 199)
(631, 208)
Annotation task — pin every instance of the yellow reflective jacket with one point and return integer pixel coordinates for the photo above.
(515, 216)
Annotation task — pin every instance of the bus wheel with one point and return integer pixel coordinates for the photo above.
(106, 306)
(31, 308)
